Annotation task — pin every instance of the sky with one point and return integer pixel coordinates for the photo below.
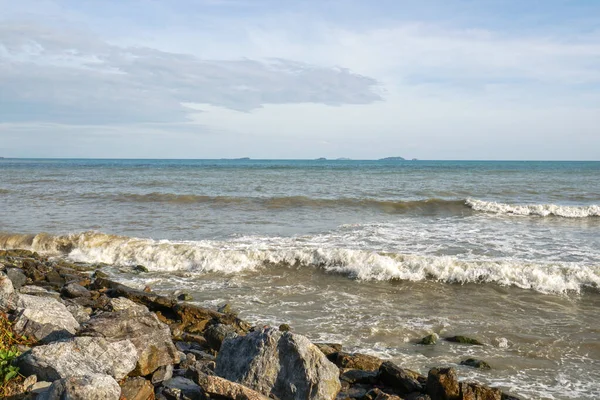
(433, 79)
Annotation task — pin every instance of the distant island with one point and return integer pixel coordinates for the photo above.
(343, 159)
(392, 159)
(321, 159)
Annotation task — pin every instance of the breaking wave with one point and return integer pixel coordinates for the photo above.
(542, 210)
(231, 257)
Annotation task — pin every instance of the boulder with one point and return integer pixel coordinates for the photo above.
(474, 363)
(329, 348)
(8, 296)
(151, 337)
(80, 356)
(216, 334)
(429, 339)
(359, 376)
(137, 388)
(17, 277)
(358, 361)
(283, 364)
(162, 374)
(121, 304)
(79, 312)
(378, 394)
(442, 384)
(463, 340)
(74, 290)
(220, 388)
(44, 319)
(401, 380)
(87, 387)
(38, 291)
(474, 391)
(182, 388)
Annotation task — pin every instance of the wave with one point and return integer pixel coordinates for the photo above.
(203, 257)
(542, 210)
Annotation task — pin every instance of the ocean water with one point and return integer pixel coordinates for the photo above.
(371, 254)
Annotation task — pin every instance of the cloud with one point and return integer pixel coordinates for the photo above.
(56, 76)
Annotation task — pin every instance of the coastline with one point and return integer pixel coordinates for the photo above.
(173, 347)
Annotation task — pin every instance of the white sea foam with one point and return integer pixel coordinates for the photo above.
(543, 210)
(234, 258)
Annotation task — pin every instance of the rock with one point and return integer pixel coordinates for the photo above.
(74, 290)
(79, 312)
(358, 361)
(121, 303)
(140, 268)
(80, 356)
(472, 362)
(285, 328)
(417, 396)
(429, 339)
(285, 365)
(474, 391)
(506, 396)
(442, 384)
(54, 279)
(329, 348)
(29, 382)
(38, 291)
(137, 389)
(221, 388)
(185, 297)
(183, 388)
(151, 337)
(88, 387)
(464, 340)
(359, 376)
(17, 277)
(403, 381)
(190, 359)
(215, 335)
(99, 274)
(225, 308)
(40, 387)
(162, 374)
(357, 391)
(378, 394)
(8, 296)
(44, 318)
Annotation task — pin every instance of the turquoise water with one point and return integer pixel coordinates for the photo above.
(507, 251)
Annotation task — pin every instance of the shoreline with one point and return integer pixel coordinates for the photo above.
(165, 348)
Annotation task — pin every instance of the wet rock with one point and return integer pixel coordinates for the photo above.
(137, 389)
(417, 396)
(221, 388)
(17, 277)
(225, 309)
(88, 387)
(378, 394)
(44, 319)
(182, 388)
(429, 339)
(80, 356)
(162, 374)
(190, 315)
(8, 296)
(153, 301)
(140, 268)
(442, 383)
(54, 279)
(329, 348)
(359, 376)
(285, 328)
(184, 297)
(74, 290)
(285, 365)
(474, 391)
(99, 274)
(151, 337)
(464, 340)
(403, 381)
(506, 396)
(358, 361)
(216, 334)
(474, 363)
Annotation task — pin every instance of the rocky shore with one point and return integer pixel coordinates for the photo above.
(75, 334)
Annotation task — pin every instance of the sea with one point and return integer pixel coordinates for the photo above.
(374, 255)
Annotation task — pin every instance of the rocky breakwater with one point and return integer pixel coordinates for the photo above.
(87, 337)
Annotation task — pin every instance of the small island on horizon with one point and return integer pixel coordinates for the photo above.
(392, 159)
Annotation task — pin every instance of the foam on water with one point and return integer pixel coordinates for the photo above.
(233, 257)
(542, 210)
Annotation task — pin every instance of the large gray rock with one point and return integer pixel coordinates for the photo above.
(44, 318)
(285, 365)
(88, 387)
(80, 356)
(151, 337)
(17, 277)
(8, 296)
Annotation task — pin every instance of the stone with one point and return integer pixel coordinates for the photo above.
(121, 304)
(359, 376)
(442, 384)
(8, 296)
(137, 388)
(474, 391)
(29, 382)
(225, 308)
(54, 279)
(140, 268)
(378, 394)
(285, 328)
(329, 348)
(358, 361)
(183, 388)
(283, 364)
(429, 339)
(162, 374)
(221, 388)
(417, 396)
(87, 387)
(474, 363)
(74, 290)
(79, 312)
(402, 380)
(39, 291)
(17, 277)
(44, 319)
(464, 340)
(185, 297)
(215, 334)
(80, 356)
(40, 387)
(151, 337)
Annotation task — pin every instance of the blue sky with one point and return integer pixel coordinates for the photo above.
(304, 79)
